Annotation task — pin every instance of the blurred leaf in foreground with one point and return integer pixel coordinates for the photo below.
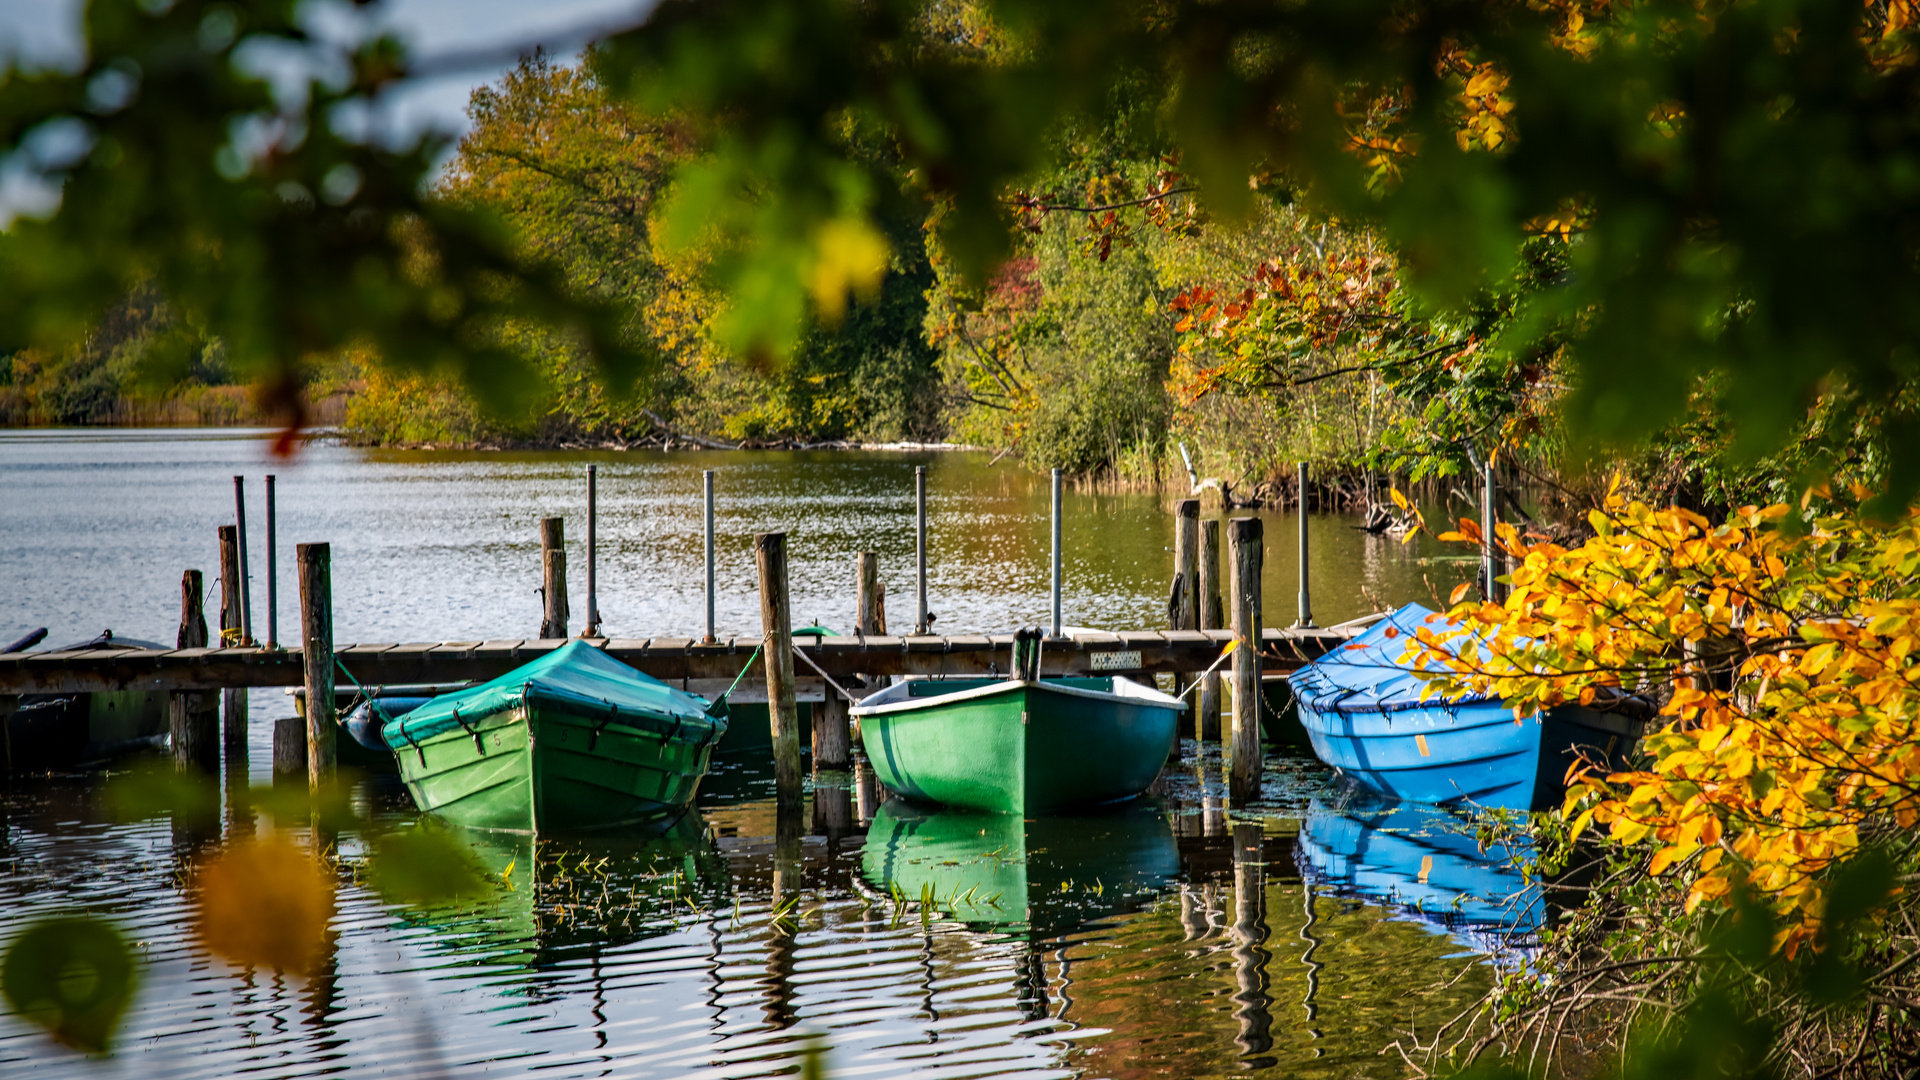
(424, 865)
(158, 790)
(72, 976)
(266, 903)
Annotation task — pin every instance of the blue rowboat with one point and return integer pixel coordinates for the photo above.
(1362, 708)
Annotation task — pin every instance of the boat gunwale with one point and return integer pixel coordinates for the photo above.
(1003, 686)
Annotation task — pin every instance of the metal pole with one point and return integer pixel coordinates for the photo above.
(1489, 560)
(240, 518)
(708, 481)
(593, 516)
(273, 582)
(1056, 553)
(920, 542)
(1306, 597)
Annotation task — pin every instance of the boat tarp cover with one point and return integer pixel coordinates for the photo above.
(575, 676)
(1367, 674)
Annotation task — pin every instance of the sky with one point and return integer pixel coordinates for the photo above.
(46, 34)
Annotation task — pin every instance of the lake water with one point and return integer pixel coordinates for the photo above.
(1303, 934)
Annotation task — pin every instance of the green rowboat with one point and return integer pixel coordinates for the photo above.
(573, 740)
(1018, 746)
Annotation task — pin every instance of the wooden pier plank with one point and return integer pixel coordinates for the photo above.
(452, 662)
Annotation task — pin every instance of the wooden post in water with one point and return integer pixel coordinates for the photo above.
(290, 750)
(233, 629)
(832, 735)
(316, 658)
(1207, 708)
(1184, 614)
(229, 585)
(1244, 554)
(190, 724)
(193, 616)
(776, 621)
(866, 591)
(553, 577)
(195, 731)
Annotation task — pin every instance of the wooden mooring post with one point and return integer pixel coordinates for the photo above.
(1244, 555)
(553, 577)
(191, 725)
(290, 750)
(316, 658)
(1206, 719)
(232, 701)
(870, 613)
(776, 621)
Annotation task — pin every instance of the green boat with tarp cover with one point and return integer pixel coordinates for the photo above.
(1021, 745)
(573, 740)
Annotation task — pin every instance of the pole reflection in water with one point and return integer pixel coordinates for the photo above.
(1250, 955)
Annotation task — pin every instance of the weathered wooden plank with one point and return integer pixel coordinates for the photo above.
(925, 643)
(669, 644)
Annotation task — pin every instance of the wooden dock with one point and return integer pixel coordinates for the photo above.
(672, 659)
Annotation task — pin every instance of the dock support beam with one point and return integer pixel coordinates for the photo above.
(194, 730)
(290, 750)
(920, 624)
(553, 577)
(1306, 578)
(1056, 555)
(593, 552)
(1245, 555)
(316, 658)
(832, 735)
(776, 620)
(1206, 720)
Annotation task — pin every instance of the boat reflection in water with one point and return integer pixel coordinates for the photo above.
(551, 901)
(1424, 862)
(1047, 875)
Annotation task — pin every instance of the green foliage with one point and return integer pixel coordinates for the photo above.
(1742, 178)
(72, 975)
(426, 864)
(261, 220)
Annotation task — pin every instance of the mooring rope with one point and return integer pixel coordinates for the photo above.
(743, 673)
